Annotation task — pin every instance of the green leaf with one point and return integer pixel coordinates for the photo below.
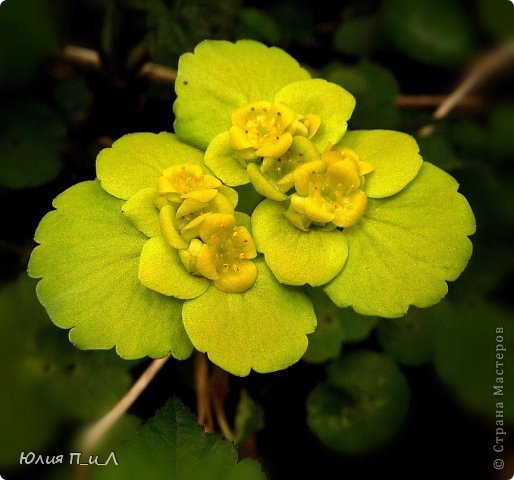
(249, 417)
(173, 446)
(362, 404)
(25, 40)
(354, 35)
(420, 31)
(330, 102)
(264, 328)
(336, 326)
(294, 256)
(375, 89)
(220, 157)
(497, 17)
(394, 155)
(137, 160)
(501, 123)
(30, 140)
(221, 76)
(437, 150)
(161, 269)
(473, 344)
(405, 248)
(141, 210)
(75, 98)
(409, 339)
(258, 25)
(88, 260)
(48, 380)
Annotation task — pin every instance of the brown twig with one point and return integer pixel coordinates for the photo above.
(89, 58)
(220, 391)
(203, 392)
(430, 101)
(93, 436)
(479, 72)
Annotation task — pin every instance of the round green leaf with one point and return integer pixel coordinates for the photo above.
(362, 404)
(394, 155)
(294, 256)
(173, 446)
(161, 269)
(336, 326)
(406, 247)
(473, 343)
(30, 140)
(408, 339)
(354, 36)
(27, 35)
(264, 328)
(375, 89)
(330, 102)
(221, 159)
(50, 382)
(221, 76)
(141, 210)
(256, 24)
(137, 160)
(421, 31)
(497, 17)
(88, 260)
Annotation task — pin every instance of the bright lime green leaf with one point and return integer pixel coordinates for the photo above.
(256, 24)
(405, 248)
(408, 339)
(419, 30)
(25, 40)
(354, 36)
(330, 102)
(141, 210)
(362, 404)
(394, 155)
(497, 16)
(263, 328)
(161, 269)
(88, 261)
(137, 160)
(173, 446)
(30, 140)
(469, 339)
(249, 417)
(220, 157)
(49, 381)
(221, 76)
(375, 89)
(294, 256)
(336, 326)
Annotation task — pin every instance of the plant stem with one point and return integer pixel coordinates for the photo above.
(96, 432)
(480, 71)
(426, 101)
(203, 392)
(220, 390)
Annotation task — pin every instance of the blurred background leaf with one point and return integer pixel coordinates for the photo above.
(31, 137)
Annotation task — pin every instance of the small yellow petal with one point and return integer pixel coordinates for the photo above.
(204, 196)
(206, 263)
(238, 138)
(237, 278)
(275, 146)
(168, 229)
(349, 213)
